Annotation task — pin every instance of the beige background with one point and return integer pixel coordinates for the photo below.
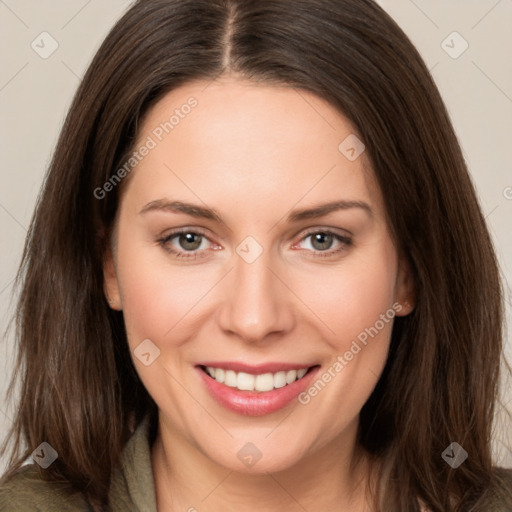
(35, 94)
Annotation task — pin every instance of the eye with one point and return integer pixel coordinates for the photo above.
(189, 241)
(185, 243)
(324, 243)
(321, 241)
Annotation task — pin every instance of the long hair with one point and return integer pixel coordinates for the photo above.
(79, 390)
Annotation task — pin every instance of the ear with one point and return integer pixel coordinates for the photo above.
(110, 281)
(405, 288)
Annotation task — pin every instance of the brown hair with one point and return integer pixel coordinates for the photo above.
(79, 389)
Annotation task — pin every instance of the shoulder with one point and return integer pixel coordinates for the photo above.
(499, 498)
(27, 491)
(132, 486)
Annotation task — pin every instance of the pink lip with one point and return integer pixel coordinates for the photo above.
(255, 369)
(254, 403)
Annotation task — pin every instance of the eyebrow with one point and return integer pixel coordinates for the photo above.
(182, 207)
(295, 216)
(324, 209)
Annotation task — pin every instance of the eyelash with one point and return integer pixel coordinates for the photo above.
(345, 242)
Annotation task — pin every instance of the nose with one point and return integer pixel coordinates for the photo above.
(255, 303)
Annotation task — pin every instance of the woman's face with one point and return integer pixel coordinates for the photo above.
(284, 262)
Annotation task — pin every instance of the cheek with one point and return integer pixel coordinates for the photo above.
(356, 309)
(157, 295)
(350, 298)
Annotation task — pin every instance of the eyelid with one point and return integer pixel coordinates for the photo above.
(179, 231)
(344, 239)
(324, 229)
(164, 241)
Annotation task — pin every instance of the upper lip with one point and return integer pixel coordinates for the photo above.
(258, 369)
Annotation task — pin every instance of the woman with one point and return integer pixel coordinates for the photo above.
(257, 276)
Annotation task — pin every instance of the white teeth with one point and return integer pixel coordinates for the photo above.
(230, 378)
(301, 373)
(245, 381)
(219, 375)
(248, 382)
(264, 382)
(291, 376)
(280, 379)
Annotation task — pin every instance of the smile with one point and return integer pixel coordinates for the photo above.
(269, 388)
(247, 382)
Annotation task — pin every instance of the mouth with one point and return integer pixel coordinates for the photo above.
(255, 391)
(260, 383)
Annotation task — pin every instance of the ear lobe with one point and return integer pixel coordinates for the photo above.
(405, 289)
(110, 281)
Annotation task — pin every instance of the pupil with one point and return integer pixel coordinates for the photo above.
(322, 241)
(190, 241)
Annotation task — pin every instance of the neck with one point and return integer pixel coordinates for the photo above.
(334, 477)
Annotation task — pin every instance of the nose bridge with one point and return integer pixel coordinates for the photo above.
(255, 303)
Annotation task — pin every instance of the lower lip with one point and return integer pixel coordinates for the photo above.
(254, 403)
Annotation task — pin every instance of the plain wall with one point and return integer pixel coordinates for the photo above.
(35, 94)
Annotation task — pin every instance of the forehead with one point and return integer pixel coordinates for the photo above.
(256, 145)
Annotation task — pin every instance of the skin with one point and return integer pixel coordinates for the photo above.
(254, 153)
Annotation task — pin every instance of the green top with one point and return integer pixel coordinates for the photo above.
(132, 488)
